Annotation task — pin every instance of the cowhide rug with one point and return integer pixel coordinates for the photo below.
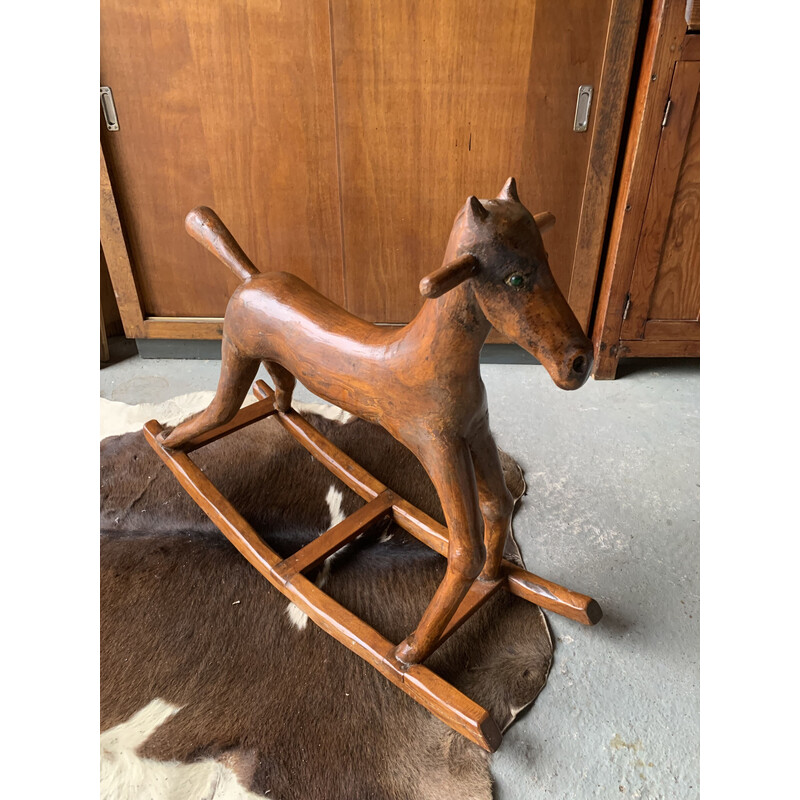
(214, 686)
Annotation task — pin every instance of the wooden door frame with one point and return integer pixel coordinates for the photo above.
(667, 42)
(615, 81)
(120, 269)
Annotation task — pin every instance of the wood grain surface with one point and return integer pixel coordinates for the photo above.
(117, 260)
(617, 66)
(337, 136)
(451, 98)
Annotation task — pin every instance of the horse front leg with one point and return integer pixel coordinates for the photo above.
(449, 466)
(496, 502)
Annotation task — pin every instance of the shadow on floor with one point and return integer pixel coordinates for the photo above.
(678, 367)
(119, 349)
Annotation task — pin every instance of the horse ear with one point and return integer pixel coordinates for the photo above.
(475, 211)
(544, 221)
(509, 191)
(448, 276)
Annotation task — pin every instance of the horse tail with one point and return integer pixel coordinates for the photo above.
(207, 228)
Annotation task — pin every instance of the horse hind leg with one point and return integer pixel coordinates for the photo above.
(284, 384)
(236, 377)
(496, 502)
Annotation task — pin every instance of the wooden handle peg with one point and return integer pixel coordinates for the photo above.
(448, 276)
(544, 220)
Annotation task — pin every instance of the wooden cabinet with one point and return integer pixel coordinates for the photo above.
(649, 303)
(338, 140)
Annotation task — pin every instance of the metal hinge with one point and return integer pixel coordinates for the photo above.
(666, 112)
(627, 306)
(109, 109)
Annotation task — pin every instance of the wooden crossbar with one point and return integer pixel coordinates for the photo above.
(314, 553)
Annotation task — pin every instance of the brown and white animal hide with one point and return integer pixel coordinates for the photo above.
(214, 686)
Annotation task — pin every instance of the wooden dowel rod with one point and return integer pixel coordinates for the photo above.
(316, 551)
(215, 505)
(330, 456)
(524, 584)
(424, 528)
(551, 596)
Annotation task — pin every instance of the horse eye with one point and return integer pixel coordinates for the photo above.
(515, 281)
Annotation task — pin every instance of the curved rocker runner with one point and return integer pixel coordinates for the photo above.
(422, 384)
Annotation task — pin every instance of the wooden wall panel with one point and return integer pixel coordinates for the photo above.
(676, 294)
(438, 101)
(227, 104)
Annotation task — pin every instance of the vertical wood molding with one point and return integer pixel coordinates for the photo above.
(118, 262)
(337, 145)
(606, 137)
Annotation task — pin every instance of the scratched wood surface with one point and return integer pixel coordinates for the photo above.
(109, 311)
(228, 104)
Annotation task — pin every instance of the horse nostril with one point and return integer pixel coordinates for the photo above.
(579, 365)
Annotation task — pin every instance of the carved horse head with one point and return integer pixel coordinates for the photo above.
(497, 246)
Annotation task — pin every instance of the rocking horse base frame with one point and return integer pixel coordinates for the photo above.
(428, 689)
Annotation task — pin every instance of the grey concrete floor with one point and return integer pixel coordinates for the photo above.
(612, 510)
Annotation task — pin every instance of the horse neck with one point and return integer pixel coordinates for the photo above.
(453, 324)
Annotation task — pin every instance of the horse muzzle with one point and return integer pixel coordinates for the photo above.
(574, 369)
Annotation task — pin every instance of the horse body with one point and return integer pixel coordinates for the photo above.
(406, 361)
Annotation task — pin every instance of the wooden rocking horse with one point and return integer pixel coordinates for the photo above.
(422, 383)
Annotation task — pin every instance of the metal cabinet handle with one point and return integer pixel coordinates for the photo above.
(109, 109)
(582, 109)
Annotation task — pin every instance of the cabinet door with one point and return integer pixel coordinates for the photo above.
(339, 138)
(438, 101)
(664, 300)
(230, 105)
